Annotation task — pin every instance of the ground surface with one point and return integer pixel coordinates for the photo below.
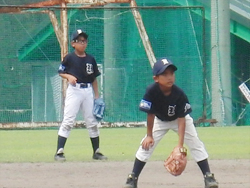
(98, 174)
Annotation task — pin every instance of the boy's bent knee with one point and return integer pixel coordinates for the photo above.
(93, 131)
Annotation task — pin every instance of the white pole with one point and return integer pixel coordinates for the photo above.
(221, 62)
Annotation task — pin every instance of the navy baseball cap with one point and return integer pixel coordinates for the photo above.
(77, 33)
(161, 65)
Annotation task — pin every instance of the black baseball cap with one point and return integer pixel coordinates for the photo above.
(77, 33)
(161, 65)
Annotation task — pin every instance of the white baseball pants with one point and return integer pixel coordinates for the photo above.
(196, 147)
(79, 99)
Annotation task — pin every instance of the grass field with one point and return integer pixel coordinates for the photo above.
(119, 144)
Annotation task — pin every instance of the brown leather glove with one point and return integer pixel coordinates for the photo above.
(176, 162)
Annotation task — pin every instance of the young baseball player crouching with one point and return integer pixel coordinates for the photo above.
(167, 107)
(80, 70)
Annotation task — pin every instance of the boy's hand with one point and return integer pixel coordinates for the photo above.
(148, 142)
(71, 79)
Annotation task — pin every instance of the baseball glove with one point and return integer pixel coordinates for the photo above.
(99, 107)
(176, 162)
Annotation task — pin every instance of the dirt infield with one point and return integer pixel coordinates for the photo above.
(108, 174)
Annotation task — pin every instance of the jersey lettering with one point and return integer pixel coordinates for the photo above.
(89, 68)
(171, 110)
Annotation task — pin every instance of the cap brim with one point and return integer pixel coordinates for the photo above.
(165, 67)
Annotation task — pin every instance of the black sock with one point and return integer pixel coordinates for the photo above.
(204, 166)
(61, 142)
(138, 166)
(95, 143)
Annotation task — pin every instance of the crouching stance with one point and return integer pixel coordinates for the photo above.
(168, 108)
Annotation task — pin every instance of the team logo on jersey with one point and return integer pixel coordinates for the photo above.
(171, 110)
(61, 68)
(89, 68)
(187, 107)
(145, 105)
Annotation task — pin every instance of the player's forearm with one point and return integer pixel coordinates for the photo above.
(150, 124)
(181, 130)
(95, 88)
(71, 79)
(64, 75)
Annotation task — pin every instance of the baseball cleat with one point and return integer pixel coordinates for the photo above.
(210, 181)
(131, 181)
(60, 157)
(99, 156)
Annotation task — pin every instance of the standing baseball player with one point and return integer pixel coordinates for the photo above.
(167, 107)
(80, 70)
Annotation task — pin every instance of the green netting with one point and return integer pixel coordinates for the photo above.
(30, 87)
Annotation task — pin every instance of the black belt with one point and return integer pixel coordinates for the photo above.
(82, 85)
